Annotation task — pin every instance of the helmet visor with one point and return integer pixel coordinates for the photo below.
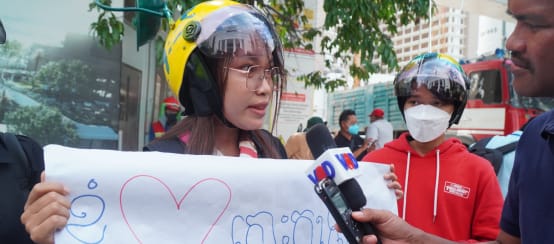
(442, 76)
(236, 30)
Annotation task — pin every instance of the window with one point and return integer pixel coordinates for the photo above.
(486, 85)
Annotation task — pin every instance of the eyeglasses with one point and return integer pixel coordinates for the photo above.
(256, 74)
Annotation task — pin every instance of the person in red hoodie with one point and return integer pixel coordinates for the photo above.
(448, 191)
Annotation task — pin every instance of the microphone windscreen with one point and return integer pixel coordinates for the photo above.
(353, 194)
(319, 139)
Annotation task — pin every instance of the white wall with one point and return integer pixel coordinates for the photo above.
(492, 34)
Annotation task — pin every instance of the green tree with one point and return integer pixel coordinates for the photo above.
(68, 80)
(43, 124)
(11, 49)
(362, 28)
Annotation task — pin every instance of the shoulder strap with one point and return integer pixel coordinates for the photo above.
(481, 143)
(352, 143)
(508, 147)
(494, 155)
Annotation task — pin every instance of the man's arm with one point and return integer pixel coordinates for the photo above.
(392, 229)
(505, 238)
(361, 149)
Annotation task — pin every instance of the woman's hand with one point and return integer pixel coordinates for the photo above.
(394, 184)
(46, 210)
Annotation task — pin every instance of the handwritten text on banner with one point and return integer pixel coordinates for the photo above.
(151, 197)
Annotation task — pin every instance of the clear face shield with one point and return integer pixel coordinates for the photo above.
(232, 31)
(242, 32)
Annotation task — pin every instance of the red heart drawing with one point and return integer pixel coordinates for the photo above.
(140, 209)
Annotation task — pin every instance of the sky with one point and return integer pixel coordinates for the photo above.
(58, 17)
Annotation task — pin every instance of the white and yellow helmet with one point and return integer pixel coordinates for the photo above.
(211, 30)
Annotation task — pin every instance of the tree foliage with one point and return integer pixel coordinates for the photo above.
(11, 49)
(108, 28)
(66, 79)
(361, 27)
(46, 125)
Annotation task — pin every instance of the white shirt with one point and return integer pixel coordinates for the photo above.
(379, 131)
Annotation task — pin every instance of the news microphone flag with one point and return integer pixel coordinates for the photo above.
(337, 164)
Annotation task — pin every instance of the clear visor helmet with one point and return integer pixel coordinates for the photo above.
(238, 30)
(440, 74)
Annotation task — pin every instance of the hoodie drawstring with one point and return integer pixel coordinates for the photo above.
(406, 186)
(435, 200)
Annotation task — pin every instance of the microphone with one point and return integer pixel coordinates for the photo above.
(338, 165)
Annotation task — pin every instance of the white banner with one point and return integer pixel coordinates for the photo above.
(151, 197)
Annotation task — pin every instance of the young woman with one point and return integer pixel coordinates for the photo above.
(227, 72)
(449, 191)
(223, 60)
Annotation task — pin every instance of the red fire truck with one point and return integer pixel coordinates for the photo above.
(493, 107)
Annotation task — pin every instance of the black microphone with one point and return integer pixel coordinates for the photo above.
(339, 165)
(319, 141)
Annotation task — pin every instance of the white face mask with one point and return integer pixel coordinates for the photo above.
(426, 122)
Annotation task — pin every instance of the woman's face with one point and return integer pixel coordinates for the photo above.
(245, 105)
(422, 95)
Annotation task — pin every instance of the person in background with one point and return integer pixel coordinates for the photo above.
(224, 62)
(528, 215)
(348, 134)
(379, 131)
(21, 161)
(169, 115)
(297, 146)
(448, 191)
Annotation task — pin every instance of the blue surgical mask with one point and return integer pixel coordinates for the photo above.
(353, 129)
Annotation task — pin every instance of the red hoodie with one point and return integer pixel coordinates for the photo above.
(462, 202)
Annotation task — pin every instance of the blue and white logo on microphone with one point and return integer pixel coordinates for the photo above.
(337, 164)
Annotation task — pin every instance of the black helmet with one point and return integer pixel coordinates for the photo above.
(440, 74)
